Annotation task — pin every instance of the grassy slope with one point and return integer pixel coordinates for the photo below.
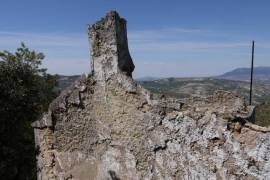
(263, 114)
(186, 87)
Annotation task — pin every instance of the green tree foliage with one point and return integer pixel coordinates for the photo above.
(262, 114)
(25, 92)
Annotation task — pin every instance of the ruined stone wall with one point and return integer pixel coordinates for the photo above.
(110, 52)
(106, 126)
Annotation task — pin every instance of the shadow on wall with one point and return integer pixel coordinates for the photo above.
(113, 175)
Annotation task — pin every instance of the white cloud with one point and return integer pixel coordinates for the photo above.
(67, 66)
(69, 53)
(165, 40)
(12, 39)
(178, 39)
(164, 33)
(65, 53)
(184, 46)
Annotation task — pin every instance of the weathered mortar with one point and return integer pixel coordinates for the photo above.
(106, 126)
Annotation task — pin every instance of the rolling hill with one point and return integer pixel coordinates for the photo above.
(261, 74)
(186, 87)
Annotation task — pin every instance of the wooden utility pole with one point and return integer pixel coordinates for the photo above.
(251, 74)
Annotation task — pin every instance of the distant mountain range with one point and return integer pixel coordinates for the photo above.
(236, 81)
(187, 87)
(243, 74)
(261, 73)
(147, 78)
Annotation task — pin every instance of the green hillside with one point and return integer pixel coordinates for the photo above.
(263, 114)
(186, 87)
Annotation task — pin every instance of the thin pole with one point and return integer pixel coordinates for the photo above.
(251, 74)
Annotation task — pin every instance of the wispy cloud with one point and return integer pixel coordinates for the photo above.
(65, 53)
(164, 33)
(43, 39)
(69, 53)
(68, 67)
(167, 39)
(168, 47)
(179, 39)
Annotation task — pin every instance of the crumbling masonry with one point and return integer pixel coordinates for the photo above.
(106, 126)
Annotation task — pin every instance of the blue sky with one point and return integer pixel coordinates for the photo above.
(166, 38)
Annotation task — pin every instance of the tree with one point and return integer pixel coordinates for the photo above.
(25, 92)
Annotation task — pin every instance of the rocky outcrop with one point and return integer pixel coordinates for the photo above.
(106, 126)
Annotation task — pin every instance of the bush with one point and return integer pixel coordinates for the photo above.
(25, 92)
(262, 114)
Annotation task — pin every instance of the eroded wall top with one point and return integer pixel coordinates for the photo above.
(109, 45)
